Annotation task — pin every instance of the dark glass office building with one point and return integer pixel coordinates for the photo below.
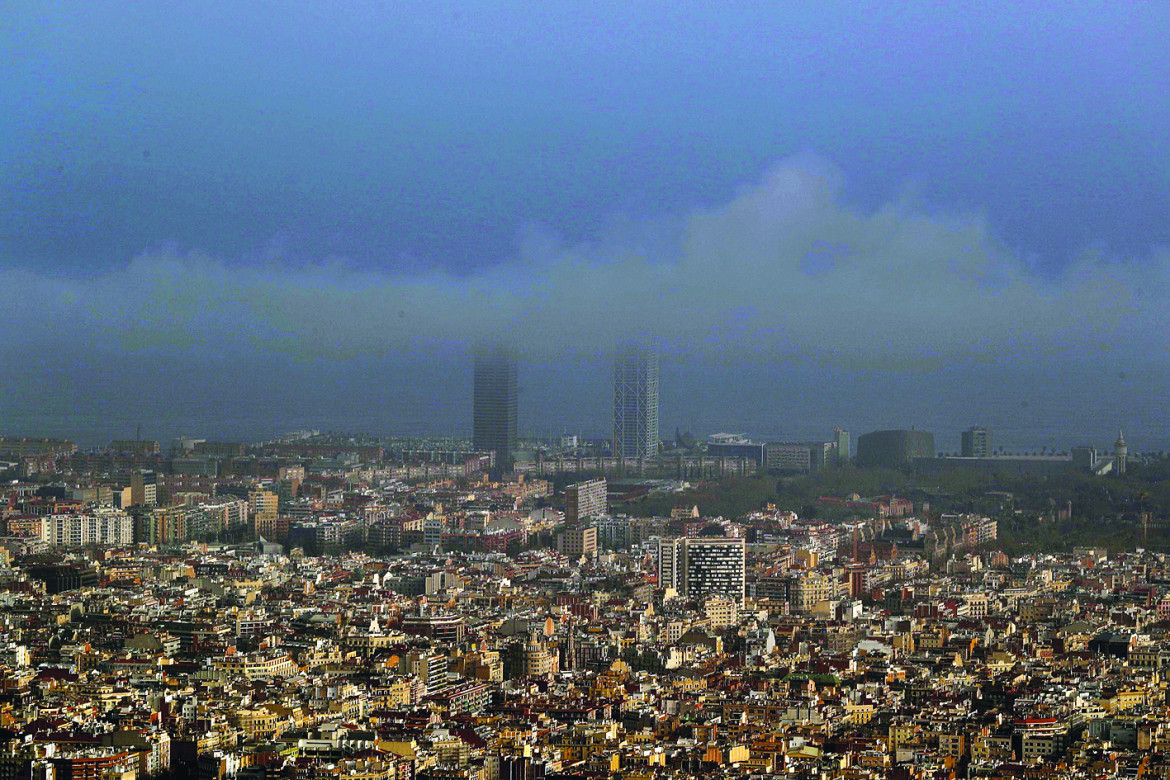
(494, 396)
(893, 449)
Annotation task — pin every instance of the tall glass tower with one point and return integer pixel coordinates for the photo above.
(494, 399)
(635, 403)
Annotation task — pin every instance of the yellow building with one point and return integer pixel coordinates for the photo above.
(263, 506)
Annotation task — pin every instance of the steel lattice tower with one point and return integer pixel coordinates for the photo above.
(635, 403)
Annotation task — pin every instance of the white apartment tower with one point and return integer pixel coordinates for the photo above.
(703, 566)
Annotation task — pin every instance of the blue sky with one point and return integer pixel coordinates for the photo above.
(389, 179)
(403, 134)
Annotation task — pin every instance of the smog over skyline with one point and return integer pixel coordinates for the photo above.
(223, 218)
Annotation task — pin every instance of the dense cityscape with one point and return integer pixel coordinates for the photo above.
(575, 390)
(326, 606)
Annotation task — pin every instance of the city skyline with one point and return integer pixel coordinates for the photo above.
(202, 227)
(1021, 424)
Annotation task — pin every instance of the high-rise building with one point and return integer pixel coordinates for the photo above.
(143, 488)
(635, 403)
(666, 554)
(788, 458)
(703, 566)
(102, 526)
(893, 449)
(575, 542)
(264, 506)
(822, 455)
(976, 443)
(586, 499)
(494, 414)
(841, 446)
(430, 667)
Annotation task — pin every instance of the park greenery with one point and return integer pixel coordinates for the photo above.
(1035, 512)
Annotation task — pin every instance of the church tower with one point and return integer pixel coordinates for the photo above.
(1120, 453)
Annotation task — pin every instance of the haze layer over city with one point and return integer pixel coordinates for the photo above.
(230, 221)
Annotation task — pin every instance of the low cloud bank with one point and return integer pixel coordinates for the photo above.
(783, 271)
